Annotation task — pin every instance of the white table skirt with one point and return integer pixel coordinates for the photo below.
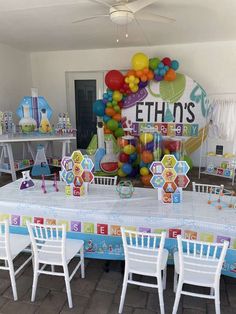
(103, 205)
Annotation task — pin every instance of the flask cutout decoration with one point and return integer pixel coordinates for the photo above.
(27, 123)
(109, 162)
(26, 182)
(41, 166)
(45, 126)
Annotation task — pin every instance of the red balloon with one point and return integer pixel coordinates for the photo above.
(167, 61)
(124, 157)
(114, 80)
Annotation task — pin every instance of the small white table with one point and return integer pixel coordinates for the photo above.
(6, 142)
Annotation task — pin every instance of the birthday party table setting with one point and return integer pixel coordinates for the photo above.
(97, 216)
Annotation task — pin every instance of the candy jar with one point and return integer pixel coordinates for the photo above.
(150, 150)
(128, 158)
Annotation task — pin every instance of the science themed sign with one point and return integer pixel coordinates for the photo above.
(176, 108)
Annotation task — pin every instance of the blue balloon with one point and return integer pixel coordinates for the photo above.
(143, 164)
(105, 96)
(166, 67)
(133, 157)
(127, 168)
(106, 118)
(149, 146)
(174, 65)
(99, 108)
(162, 72)
(161, 65)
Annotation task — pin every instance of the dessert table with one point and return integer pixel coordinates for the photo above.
(6, 142)
(96, 218)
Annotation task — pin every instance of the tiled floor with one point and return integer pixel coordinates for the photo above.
(99, 292)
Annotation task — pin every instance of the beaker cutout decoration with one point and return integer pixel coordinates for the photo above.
(45, 126)
(26, 182)
(27, 123)
(109, 162)
(40, 166)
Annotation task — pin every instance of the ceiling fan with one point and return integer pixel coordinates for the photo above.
(124, 12)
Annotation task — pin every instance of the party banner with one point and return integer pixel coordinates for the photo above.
(176, 108)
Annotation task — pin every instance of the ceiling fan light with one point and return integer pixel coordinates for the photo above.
(121, 17)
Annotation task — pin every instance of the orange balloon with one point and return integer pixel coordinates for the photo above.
(147, 156)
(121, 142)
(117, 117)
(139, 148)
(139, 73)
(110, 112)
(145, 71)
(170, 75)
(107, 131)
(130, 72)
(150, 75)
(146, 180)
(143, 78)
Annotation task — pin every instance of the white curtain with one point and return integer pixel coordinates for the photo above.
(223, 117)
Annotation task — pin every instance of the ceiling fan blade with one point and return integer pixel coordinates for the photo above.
(102, 2)
(90, 18)
(154, 17)
(138, 5)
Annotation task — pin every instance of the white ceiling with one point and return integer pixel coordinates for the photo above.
(43, 25)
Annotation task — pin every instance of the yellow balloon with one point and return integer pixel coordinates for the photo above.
(136, 81)
(127, 80)
(144, 171)
(117, 95)
(134, 89)
(131, 78)
(139, 61)
(120, 164)
(121, 173)
(146, 138)
(129, 149)
(131, 85)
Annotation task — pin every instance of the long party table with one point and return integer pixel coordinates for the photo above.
(96, 218)
(6, 142)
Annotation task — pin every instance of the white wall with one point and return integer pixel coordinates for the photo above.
(15, 77)
(213, 65)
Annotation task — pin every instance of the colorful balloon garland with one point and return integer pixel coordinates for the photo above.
(120, 86)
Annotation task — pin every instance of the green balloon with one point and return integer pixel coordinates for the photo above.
(112, 125)
(114, 103)
(119, 132)
(117, 108)
(153, 63)
(188, 161)
(109, 105)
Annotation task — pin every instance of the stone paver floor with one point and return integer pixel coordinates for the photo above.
(99, 293)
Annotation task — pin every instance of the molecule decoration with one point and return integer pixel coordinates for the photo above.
(169, 177)
(125, 189)
(77, 173)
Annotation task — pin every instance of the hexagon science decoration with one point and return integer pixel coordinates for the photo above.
(169, 178)
(76, 172)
